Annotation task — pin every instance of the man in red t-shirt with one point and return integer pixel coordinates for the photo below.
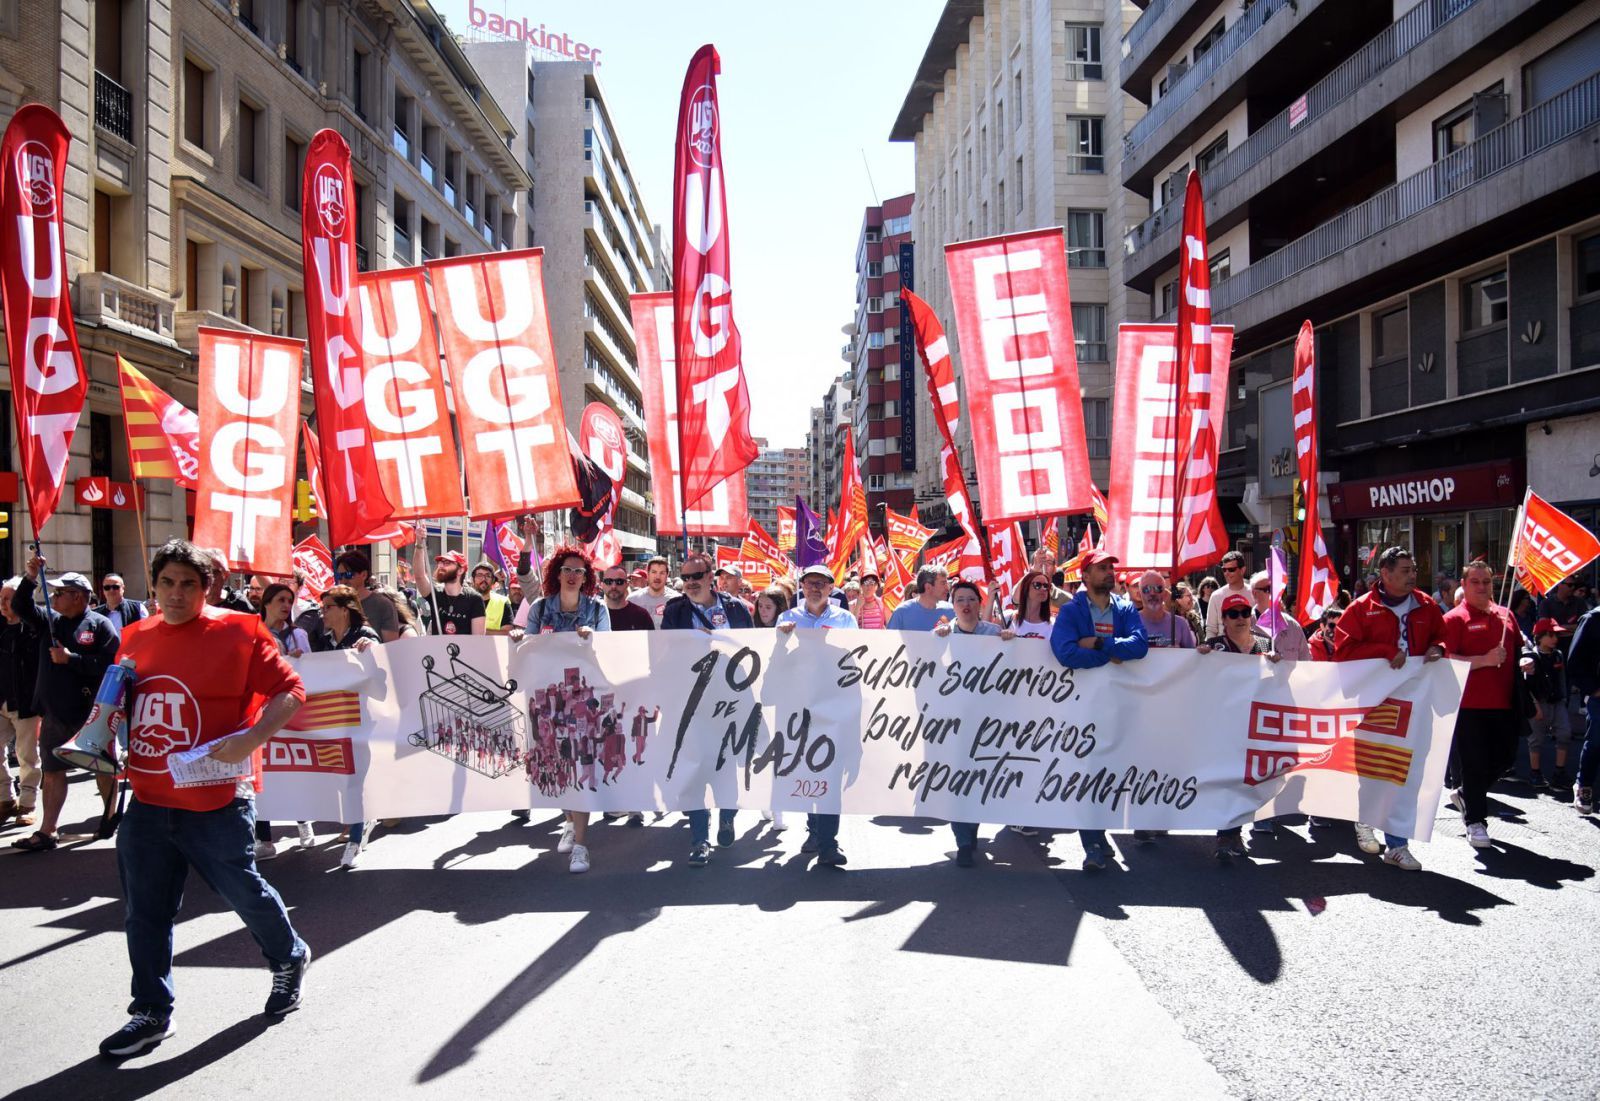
(203, 676)
(1486, 636)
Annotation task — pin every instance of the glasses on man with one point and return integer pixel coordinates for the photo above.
(1236, 613)
(343, 575)
(574, 571)
(111, 586)
(1263, 589)
(1152, 590)
(1231, 569)
(613, 581)
(697, 575)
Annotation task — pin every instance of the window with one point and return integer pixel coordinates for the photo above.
(875, 340)
(1086, 239)
(891, 408)
(1172, 187)
(1016, 99)
(1587, 254)
(196, 86)
(1210, 39)
(1086, 145)
(1211, 154)
(191, 276)
(1391, 335)
(1169, 297)
(358, 82)
(1019, 185)
(251, 283)
(1483, 302)
(1083, 52)
(891, 335)
(294, 167)
(1000, 123)
(891, 262)
(402, 124)
(983, 220)
(874, 305)
(1220, 267)
(291, 33)
(874, 269)
(891, 372)
(1000, 205)
(891, 444)
(402, 213)
(248, 132)
(872, 234)
(896, 226)
(1089, 331)
(1452, 132)
(1097, 427)
(875, 483)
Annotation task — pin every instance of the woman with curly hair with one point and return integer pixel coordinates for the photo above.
(568, 604)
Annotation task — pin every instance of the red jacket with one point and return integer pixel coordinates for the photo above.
(1368, 629)
(1319, 647)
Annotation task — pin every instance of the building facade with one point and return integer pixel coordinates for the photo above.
(776, 477)
(190, 123)
(600, 246)
(1418, 178)
(884, 365)
(1019, 122)
(830, 422)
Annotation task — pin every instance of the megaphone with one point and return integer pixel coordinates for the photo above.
(98, 745)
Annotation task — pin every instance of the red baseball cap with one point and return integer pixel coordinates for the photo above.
(1092, 557)
(1547, 626)
(452, 556)
(1237, 600)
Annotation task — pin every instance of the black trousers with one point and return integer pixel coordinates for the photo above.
(1485, 743)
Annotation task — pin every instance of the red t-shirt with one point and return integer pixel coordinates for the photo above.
(1469, 633)
(195, 683)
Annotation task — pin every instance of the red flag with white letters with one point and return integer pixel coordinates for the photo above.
(48, 382)
(315, 561)
(403, 395)
(357, 504)
(249, 408)
(1009, 554)
(713, 401)
(600, 438)
(1201, 537)
(1013, 313)
(1549, 546)
(495, 332)
(1318, 585)
(786, 529)
(724, 510)
(1143, 438)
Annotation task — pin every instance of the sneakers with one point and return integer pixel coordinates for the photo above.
(1229, 845)
(569, 838)
(580, 860)
(1094, 860)
(1478, 835)
(142, 1030)
(1264, 829)
(831, 858)
(700, 855)
(265, 850)
(305, 835)
(964, 856)
(1458, 800)
(1367, 839)
(810, 843)
(636, 819)
(1401, 857)
(286, 981)
(1023, 831)
(776, 818)
(1536, 779)
(1145, 837)
(351, 854)
(724, 835)
(1583, 799)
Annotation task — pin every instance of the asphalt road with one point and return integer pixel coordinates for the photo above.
(461, 959)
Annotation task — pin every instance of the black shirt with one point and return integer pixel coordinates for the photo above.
(630, 617)
(456, 613)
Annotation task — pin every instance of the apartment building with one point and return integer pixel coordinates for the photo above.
(885, 366)
(190, 125)
(1019, 122)
(830, 421)
(600, 246)
(775, 478)
(1418, 178)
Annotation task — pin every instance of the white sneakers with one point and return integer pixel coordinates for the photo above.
(775, 817)
(569, 836)
(306, 835)
(266, 850)
(351, 854)
(580, 860)
(1401, 857)
(1478, 835)
(1367, 839)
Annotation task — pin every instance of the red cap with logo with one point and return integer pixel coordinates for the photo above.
(453, 556)
(1095, 556)
(1237, 600)
(1547, 626)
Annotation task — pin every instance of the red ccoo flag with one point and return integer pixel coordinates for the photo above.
(713, 401)
(852, 510)
(1549, 545)
(1318, 584)
(1201, 539)
(48, 383)
(357, 505)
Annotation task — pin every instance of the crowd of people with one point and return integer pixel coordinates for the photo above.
(1534, 672)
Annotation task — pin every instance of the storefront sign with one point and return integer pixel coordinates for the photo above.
(1485, 485)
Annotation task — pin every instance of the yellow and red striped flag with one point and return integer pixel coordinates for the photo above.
(163, 436)
(327, 711)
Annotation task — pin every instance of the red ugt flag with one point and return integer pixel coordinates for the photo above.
(713, 400)
(1200, 537)
(48, 384)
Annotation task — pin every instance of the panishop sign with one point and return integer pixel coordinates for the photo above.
(1484, 485)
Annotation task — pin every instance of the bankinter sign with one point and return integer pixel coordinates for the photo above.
(520, 30)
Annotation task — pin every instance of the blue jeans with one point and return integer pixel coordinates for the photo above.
(156, 846)
(966, 833)
(825, 828)
(700, 824)
(1094, 839)
(1589, 755)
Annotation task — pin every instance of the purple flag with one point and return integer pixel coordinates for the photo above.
(809, 549)
(1272, 620)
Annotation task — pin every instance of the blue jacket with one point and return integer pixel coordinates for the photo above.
(66, 692)
(1583, 655)
(1075, 621)
(678, 615)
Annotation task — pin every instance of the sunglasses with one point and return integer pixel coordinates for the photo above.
(343, 575)
(1040, 586)
(574, 570)
(117, 588)
(1231, 569)
(1262, 589)
(613, 581)
(1149, 590)
(698, 575)
(1236, 613)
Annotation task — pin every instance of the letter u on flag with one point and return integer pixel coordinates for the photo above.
(48, 383)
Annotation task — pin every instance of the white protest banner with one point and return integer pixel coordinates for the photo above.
(861, 722)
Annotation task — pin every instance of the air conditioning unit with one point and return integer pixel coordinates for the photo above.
(1257, 511)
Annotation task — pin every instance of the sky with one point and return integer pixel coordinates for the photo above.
(807, 97)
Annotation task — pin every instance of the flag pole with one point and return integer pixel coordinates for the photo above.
(144, 545)
(1512, 557)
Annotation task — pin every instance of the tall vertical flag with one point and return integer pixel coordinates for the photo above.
(356, 504)
(724, 510)
(1318, 585)
(1200, 538)
(786, 529)
(600, 436)
(48, 382)
(852, 510)
(762, 550)
(1549, 545)
(1013, 313)
(713, 401)
(809, 548)
(934, 349)
(163, 436)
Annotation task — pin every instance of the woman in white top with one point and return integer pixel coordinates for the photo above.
(1032, 598)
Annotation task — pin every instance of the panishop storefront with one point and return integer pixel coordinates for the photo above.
(1446, 517)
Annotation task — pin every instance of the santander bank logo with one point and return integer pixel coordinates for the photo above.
(36, 170)
(327, 190)
(703, 125)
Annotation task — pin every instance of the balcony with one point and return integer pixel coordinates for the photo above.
(107, 301)
(1426, 217)
(1162, 25)
(1425, 50)
(113, 107)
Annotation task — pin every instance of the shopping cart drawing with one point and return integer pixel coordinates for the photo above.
(468, 718)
